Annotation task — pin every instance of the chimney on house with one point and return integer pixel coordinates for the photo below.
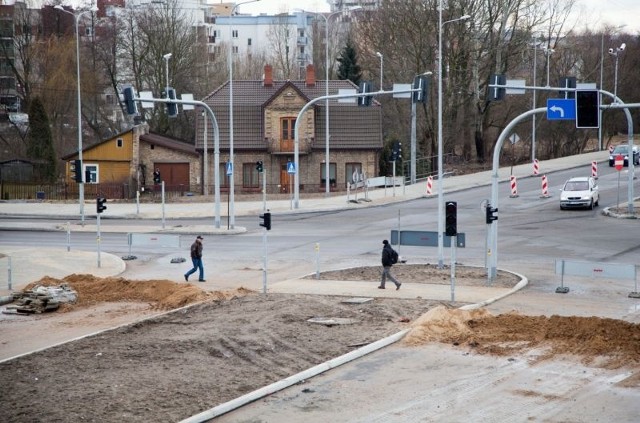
(311, 76)
(268, 76)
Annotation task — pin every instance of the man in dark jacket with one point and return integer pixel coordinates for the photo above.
(196, 259)
(387, 262)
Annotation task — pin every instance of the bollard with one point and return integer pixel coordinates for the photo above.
(430, 186)
(545, 187)
(514, 188)
(536, 167)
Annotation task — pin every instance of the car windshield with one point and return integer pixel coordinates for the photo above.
(576, 186)
(621, 149)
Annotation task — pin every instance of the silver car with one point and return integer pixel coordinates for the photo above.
(581, 192)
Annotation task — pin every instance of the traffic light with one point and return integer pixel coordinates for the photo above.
(396, 151)
(100, 207)
(490, 211)
(259, 166)
(266, 220)
(420, 83)
(496, 93)
(128, 100)
(451, 218)
(76, 170)
(587, 109)
(363, 88)
(172, 108)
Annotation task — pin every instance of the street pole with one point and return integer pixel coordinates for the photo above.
(76, 19)
(381, 67)
(232, 219)
(535, 80)
(440, 146)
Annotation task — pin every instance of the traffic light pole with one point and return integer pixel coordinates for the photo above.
(98, 237)
(296, 150)
(216, 147)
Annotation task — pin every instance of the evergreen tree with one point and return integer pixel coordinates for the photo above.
(349, 68)
(40, 142)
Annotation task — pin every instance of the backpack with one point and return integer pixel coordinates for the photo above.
(394, 256)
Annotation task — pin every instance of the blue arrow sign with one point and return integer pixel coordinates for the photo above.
(229, 168)
(291, 167)
(561, 109)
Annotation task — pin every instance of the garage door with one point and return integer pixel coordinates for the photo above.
(174, 174)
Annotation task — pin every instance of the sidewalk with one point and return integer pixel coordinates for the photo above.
(375, 197)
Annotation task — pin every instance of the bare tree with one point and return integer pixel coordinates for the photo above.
(283, 52)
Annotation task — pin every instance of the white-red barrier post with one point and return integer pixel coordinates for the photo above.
(536, 167)
(430, 185)
(594, 169)
(545, 187)
(514, 187)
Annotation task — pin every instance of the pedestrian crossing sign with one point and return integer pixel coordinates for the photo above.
(229, 168)
(291, 167)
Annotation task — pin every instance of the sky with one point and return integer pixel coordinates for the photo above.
(278, 6)
(588, 12)
(611, 12)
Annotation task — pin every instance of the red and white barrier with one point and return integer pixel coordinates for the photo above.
(545, 187)
(536, 167)
(514, 187)
(594, 169)
(430, 185)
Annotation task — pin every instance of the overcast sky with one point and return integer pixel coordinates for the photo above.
(589, 12)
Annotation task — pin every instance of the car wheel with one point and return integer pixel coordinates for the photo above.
(591, 205)
(597, 202)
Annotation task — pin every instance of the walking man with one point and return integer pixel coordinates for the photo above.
(196, 258)
(389, 258)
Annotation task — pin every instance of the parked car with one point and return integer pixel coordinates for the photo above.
(624, 151)
(580, 192)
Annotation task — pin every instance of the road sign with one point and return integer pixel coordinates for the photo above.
(619, 162)
(561, 109)
(291, 167)
(229, 168)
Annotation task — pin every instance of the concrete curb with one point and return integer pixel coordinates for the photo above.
(292, 380)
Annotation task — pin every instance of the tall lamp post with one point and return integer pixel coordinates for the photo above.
(232, 218)
(381, 67)
(166, 58)
(326, 69)
(615, 53)
(76, 19)
(440, 147)
(548, 51)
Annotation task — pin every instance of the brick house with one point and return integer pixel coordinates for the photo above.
(124, 163)
(264, 117)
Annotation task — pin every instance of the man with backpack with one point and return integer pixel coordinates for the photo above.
(389, 258)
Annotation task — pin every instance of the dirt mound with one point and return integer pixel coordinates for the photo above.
(606, 342)
(161, 294)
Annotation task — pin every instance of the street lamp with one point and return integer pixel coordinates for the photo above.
(614, 31)
(616, 53)
(230, 58)
(440, 174)
(76, 19)
(381, 67)
(548, 51)
(326, 69)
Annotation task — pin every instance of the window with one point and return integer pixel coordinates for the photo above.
(234, 33)
(119, 142)
(300, 32)
(353, 170)
(249, 41)
(250, 176)
(332, 174)
(235, 50)
(288, 128)
(91, 173)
